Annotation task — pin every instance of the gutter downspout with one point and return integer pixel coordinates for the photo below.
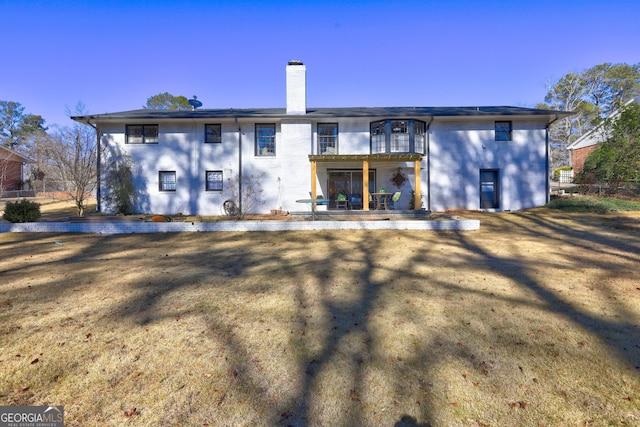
(548, 159)
(98, 159)
(193, 192)
(239, 164)
(428, 166)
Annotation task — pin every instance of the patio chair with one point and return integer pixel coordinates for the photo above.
(319, 196)
(355, 201)
(394, 199)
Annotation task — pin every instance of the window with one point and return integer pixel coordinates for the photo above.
(398, 136)
(503, 131)
(265, 140)
(419, 136)
(167, 181)
(213, 134)
(378, 137)
(142, 134)
(327, 138)
(214, 181)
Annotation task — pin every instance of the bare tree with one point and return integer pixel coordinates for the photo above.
(246, 193)
(73, 158)
(40, 167)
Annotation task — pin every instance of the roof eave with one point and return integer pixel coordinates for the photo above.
(280, 113)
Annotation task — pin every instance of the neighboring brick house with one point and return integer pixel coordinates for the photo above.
(11, 170)
(587, 143)
(489, 158)
(579, 155)
(583, 146)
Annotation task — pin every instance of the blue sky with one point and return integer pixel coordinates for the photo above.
(113, 55)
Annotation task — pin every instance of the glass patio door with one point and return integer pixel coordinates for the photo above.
(347, 182)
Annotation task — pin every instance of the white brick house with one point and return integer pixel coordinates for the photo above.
(493, 158)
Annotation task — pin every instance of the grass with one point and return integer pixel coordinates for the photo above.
(594, 204)
(532, 320)
(54, 209)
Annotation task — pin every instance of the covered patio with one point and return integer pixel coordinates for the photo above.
(365, 161)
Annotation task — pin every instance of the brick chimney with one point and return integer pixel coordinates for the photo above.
(296, 88)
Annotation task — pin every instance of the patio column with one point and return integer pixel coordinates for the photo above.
(365, 185)
(313, 178)
(417, 199)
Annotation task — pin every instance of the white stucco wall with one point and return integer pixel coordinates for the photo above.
(180, 148)
(459, 148)
(293, 167)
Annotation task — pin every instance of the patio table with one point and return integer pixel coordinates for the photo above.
(313, 203)
(381, 200)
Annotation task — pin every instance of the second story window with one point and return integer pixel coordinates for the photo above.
(378, 137)
(327, 138)
(141, 134)
(265, 140)
(503, 131)
(398, 136)
(419, 136)
(213, 134)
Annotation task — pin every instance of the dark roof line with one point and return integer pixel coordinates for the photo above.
(382, 112)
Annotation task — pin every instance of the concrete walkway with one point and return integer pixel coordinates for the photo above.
(114, 227)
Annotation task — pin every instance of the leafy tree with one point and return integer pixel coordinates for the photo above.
(611, 85)
(166, 101)
(617, 159)
(16, 126)
(592, 95)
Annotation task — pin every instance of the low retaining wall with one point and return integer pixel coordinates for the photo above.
(173, 227)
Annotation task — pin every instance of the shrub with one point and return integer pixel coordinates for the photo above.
(119, 186)
(22, 211)
(616, 161)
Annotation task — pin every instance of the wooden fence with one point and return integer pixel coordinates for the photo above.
(566, 177)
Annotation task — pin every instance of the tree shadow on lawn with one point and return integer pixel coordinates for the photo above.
(336, 296)
(592, 245)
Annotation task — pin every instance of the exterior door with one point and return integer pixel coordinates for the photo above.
(347, 182)
(489, 189)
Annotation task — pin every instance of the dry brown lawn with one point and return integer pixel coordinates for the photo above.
(534, 320)
(53, 209)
